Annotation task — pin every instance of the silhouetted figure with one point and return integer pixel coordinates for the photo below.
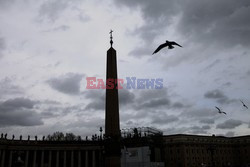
(5, 136)
(244, 105)
(43, 138)
(1, 135)
(21, 137)
(219, 111)
(168, 44)
(28, 137)
(35, 138)
(13, 137)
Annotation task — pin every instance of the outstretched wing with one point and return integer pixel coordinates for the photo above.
(224, 113)
(160, 47)
(244, 104)
(174, 43)
(218, 108)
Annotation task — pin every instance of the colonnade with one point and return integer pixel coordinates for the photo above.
(50, 158)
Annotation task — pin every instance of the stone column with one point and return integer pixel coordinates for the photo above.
(34, 159)
(42, 159)
(72, 158)
(27, 158)
(50, 158)
(57, 158)
(10, 159)
(3, 158)
(86, 158)
(64, 159)
(79, 158)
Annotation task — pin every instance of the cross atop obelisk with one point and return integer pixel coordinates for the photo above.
(111, 37)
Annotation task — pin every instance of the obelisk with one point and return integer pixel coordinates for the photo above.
(112, 121)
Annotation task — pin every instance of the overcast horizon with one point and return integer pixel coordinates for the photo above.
(49, 47)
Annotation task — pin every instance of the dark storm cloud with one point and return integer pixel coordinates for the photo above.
(229, 124)
(222, 23)
(19, 111)
(68, 83)
(219, 96)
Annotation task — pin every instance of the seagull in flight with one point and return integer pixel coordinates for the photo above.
(167, 43)
(219, 111)
(244, 104)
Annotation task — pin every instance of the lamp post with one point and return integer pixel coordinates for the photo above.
(100, 133)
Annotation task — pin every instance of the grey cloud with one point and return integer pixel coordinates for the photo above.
(219, 96)
(207, 121)
(163, 119)
(178, 105)
(199, 130)
(59, 28)
(155, 98)
(19, 111)
(68, 83)
(19, 103)
(229, 124)
(7, 87)
(126, 97)
(220, 23)
(5, 4)
(225, 24)
(214, 94)
(230, 134)
(51, 10)
(198, 113)
(248, 72)
(2, 46)
(155, 103)
(97, 98)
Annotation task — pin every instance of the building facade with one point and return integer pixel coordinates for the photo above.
(211, 151)
(147, 150)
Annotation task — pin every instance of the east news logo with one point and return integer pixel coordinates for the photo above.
(131, 83)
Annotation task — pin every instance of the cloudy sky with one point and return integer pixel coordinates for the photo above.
(49, 47)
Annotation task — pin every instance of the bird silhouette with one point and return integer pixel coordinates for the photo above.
(244, 105)
(167, 43)
(220, 111)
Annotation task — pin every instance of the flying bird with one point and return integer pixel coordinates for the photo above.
(167, 43)
(244, 104)
(219, 111)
